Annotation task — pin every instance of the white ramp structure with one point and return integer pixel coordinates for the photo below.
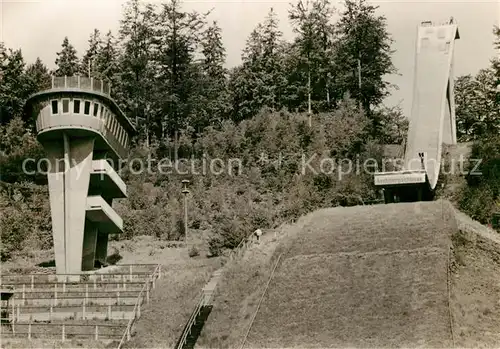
(432, 121)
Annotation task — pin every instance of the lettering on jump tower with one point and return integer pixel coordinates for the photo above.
(84, 134)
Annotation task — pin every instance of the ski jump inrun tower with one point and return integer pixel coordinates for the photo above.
(432, 121)
(84, 134)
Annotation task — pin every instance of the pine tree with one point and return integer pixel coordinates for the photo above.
(364, 54)
(88, 66)
(13, 87)
(67, 61)
(272, 71)
(260, 81)
(313, 46)
(38, 77)
(107, 65)
(245, 81)
(213, 95)
(137, 64)
(179, 34)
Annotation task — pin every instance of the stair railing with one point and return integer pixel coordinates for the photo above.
(202, 298)
(191, 321)
(136, 313)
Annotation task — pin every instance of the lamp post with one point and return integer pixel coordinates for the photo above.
(185, 191)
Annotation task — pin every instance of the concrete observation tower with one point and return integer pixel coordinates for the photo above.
(84, 134)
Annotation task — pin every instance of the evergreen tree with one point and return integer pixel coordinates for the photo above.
(313, 47)
(261, 80)
(137, 34)
(496, 64)
(213, 96)
(107, 65)
(364, 43)
(67, 61)
(179, 35)
(38, 77)
(88, 67)
(245, 83)
(13, 86)
(272, 71)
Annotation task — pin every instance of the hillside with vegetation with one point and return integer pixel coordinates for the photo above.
(257, 123)
(477, 97)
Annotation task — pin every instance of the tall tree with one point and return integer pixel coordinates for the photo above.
(88, 66)
(213, 96)
(37, 76)
(245, 83)
(13, 86)
(260, 81)
(311, 21)
(179, 34)
(272, 70)
(477, 111)
(107, 65)
(496, 62)
(137, 34)
(67, 60)
(364, 53)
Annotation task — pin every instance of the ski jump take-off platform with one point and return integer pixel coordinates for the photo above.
(432, 121)
(84, 134)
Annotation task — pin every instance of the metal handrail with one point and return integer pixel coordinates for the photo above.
(240, 246)
(201, 302)
(82, 82)
(127, 334)
(191, 321)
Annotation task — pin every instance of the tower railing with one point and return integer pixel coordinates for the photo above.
(81, 82)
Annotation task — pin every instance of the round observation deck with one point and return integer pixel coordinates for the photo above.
(81, 107)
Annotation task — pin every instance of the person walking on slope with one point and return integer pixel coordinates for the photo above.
(258, 233)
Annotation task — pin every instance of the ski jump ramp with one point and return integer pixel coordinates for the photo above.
(432, 121)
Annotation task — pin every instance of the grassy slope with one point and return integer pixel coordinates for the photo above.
(358, 276)
(240, 289)
(475, 288)
(173, 300)
(175, 295)
(359, 281)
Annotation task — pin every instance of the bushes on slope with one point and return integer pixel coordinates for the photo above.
(480, 198)
(262, 182)
(268, 188)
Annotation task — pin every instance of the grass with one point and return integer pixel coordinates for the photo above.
(174, 298)
(476, 271)
(360, 276)
(239, 291)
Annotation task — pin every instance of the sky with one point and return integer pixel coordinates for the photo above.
(38, 28)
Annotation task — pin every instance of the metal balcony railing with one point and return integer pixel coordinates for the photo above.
(81, 82)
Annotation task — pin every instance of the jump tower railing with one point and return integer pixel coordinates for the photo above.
(432, 120)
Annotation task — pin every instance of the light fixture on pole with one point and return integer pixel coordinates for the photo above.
(185, 191)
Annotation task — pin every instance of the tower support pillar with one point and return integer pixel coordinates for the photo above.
(69, 178)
